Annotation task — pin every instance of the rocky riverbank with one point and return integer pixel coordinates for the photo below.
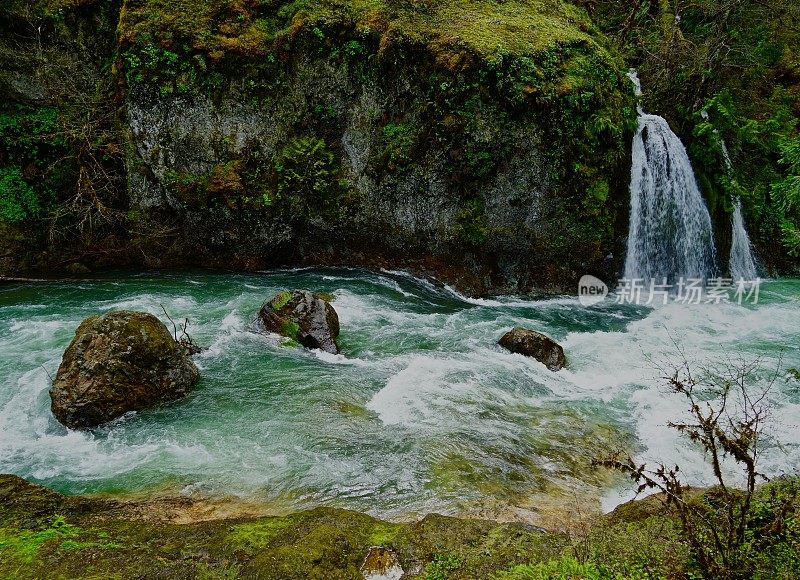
(45, 534)
(48, 535)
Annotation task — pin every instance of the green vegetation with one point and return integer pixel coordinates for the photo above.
(727, 530)
(567, 567)
(786, 194)
(640, 540)
(18, 201)
(646, 540)
(442, 566)
(471, 86)
(223, 27)
(290, 328)
(155, 64)
(471, 225)
(309, 181)
(737, 61)
(256, 535)
(110, 539)
(400, 139)
(22, 547)
(225, 184)
(326, 296)
(30, 146)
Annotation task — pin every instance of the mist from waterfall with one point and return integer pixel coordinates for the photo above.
(670, 234)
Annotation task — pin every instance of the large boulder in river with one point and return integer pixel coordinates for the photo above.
(305, 317)
(119, 362)
(536, 345)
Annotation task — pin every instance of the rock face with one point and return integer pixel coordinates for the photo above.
(536, 345)
(278, 133)
(305, 317)
(119, 362)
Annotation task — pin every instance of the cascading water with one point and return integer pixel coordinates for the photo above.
(670, 233)
(742, 263)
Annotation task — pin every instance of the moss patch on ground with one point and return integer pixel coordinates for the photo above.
(48, 535)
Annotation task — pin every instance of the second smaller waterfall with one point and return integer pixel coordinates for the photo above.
(742, 263)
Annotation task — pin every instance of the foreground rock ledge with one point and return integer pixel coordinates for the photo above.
(536, 345)
(119, 362)
(101, 537)
(302, 316)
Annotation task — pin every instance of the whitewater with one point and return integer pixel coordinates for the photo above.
(421, 412)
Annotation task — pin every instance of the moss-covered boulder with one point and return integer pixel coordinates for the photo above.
(119, 362)
(302, 316)
(535, 344)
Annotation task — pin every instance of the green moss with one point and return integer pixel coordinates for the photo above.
(354, 409)
(482, 27)
(326, 296)
(256, 535)
(290, 329)
(108, 540)
(280, 300)
(384, 534)
(23, 545)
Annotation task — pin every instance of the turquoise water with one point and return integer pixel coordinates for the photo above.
(421, 412)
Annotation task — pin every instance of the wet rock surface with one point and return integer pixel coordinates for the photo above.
(119, 362)
(536, 345)
(303, 316)
(381, 564)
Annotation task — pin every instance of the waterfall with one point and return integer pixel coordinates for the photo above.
(670, 233)
(742, 263)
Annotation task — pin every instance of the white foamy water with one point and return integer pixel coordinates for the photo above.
(421, 412)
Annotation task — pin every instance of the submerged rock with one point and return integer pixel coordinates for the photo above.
(119, 362)
(381, 564)
(537, 345)
(305, 317)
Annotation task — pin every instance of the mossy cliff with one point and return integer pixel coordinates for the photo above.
(482, 142)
